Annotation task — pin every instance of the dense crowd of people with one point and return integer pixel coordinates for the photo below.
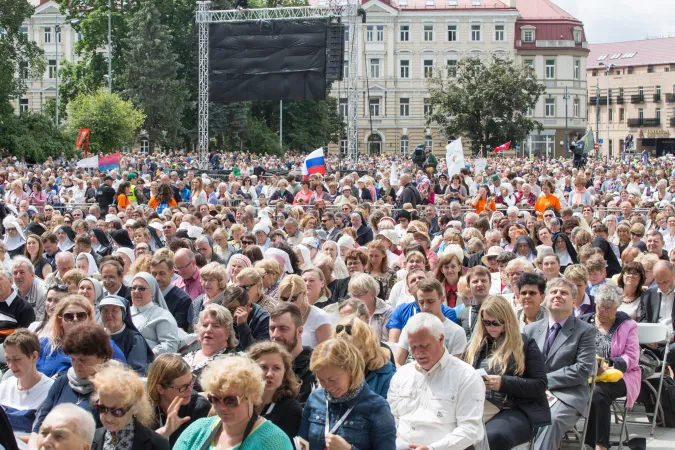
(388, 306)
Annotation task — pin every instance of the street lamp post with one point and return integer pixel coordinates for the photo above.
(608, 67)
(109, 50)
(567, 133)
(57, 35)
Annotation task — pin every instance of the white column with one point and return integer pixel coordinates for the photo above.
(391, 35)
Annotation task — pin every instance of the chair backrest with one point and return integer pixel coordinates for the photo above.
(652, 333)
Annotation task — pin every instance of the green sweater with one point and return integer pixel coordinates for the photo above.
(267, 436)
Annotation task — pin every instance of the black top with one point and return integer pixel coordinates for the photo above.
(304, 375)
(179, 303)
(144, 439)
(285, 414)
(18, 314)
(197, 408)
(41, 265)
(105, 196)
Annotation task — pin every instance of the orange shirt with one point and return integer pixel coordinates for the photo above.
(123, 201)
(482, 206)
(154, 203)
(544, 202)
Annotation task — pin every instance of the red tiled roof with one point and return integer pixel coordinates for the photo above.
(439, 5)
(647, 52)
(541, 10)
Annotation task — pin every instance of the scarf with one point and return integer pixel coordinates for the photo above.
(122, 439)
(577, 196)
(351, 395)
(565, 258)
(81, 386)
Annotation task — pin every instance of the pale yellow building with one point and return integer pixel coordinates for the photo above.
(641, 84)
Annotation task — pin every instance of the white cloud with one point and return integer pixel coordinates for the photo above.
(621, 20)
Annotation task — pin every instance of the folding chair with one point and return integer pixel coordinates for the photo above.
(649, 333)
(580, 435)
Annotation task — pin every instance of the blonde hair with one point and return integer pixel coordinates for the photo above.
(294, 283)
(74, 276)
(363, 282)
(576, 272)
(269, 266)
(216, 271)
(223, 317)
(55, 327)
(223, 375)
(341, 354)
(253, 273)
(322, 277)
(142, 264)
(363, 337)
(127, 387)
(509, 346)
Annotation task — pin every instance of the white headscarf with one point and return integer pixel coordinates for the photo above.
(12, 243)
(157, 297)
(282, 257)
(93, 269)
(306, 257)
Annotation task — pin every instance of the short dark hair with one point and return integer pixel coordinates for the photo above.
(430, 285)
(25, 340)
(84, 240)
(49, 236)
(329, 216)
(234, 294)
(532, 279)
(287, 308)
(111, 262)
(88, 339)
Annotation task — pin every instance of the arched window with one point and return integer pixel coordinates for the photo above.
(375, 144)
(405, 146)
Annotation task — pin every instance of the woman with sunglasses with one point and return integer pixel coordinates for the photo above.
(170, 389)
(234, 387)
(89, 346)
(515, 397)
(279, 401)
(316, 322)
(70, 312)
(124, 411)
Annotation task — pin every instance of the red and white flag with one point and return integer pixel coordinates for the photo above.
(503, 147)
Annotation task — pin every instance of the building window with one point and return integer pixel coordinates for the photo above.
(658, 115)
(576, 107)
(475, 33)
(550, 107)
(346, 34)
(452, 33)
(379, 33)
(650, 69)
(451, 64)
(528, 36)
(500, 33)
(550, 69)
(145, 146)
(428, 33)
(529, 62)
(374, 107)
(375, 144)
(577, 36)
(428, 68)
(610, 114)
(52, 69)
(427, 107)
(23, 105)
(375, 33)
(404, 107)
(658, 94)
(375, 68)
(58, 35)
(345, 69)
(622, 114)
(641, 114)
(24, 30)
(577, 68)
(344, 107)
(429, 142)
(405, 68)
(405, 145)
(343, 146)
(405, 33)
(641, 91)
(529, 112)
(610, 146)
(48, 35)
(630, 71)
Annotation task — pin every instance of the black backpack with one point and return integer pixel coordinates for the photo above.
(648, 398)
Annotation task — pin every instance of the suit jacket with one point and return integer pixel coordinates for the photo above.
(334, 234)
(364, 194)
(144, 439)
(570, 360)
(650, 306)
(125, 292)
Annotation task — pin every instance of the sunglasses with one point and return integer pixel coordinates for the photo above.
(231, 401)
(72, 317)
(186, 386)
(115, 412)
(246, 287)
(246, 242)
(346, 328)
(138, 288)
(289, 299)
(491, 323)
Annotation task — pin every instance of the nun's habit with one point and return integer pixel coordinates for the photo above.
(306, 258)
(155, 241)
(98, 293)
(282, 258)
(67, 244)
(122, 239)
(16, 245)
(91, 263)
(567, 257)
(103, 246)
(154, 320)
(532, 254)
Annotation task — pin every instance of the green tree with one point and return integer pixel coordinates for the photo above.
(17, 53)
(113, 121)
(150, 79)
(487, 102)
(34, 137)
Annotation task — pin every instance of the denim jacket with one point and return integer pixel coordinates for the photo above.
(370, 425)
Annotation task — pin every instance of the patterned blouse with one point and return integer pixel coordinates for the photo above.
(120, 440)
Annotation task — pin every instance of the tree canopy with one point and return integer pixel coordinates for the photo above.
(486, 102)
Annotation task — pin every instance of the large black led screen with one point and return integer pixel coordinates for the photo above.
(268, 60)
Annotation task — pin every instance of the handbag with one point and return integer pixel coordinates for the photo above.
(648, 362)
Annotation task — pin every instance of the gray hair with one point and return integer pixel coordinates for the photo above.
(6, 273)
(18, 260)
(356, 305)
(223, 317)
(363, 281)
(85, 425)
(562, 282)
(608, 294)
(60, 256)
(203, 239)
(471, 215)
(425, 321)
(512, 209)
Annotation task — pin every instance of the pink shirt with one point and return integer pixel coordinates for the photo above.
(193, 285)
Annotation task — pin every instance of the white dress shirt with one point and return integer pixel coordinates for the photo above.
(666, 312)
(441, 408)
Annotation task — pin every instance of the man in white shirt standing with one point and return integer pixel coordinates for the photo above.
(437, 400)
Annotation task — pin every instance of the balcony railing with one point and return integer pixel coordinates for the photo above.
(635, 123)
(672, 122)
(603, 100)
(657, 98)
(670, 98)
(619, 100)
(639, 98)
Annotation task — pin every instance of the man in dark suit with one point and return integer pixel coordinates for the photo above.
(177, 300)
(112, 273)
(363, 192)
(328, 224)
(656, 304)
(568, 345)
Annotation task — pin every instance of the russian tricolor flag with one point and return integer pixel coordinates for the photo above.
(314, 163)
(109, 162)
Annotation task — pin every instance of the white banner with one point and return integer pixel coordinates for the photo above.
(454, 155)
(88, 163)
(479, 166)
(393, 176)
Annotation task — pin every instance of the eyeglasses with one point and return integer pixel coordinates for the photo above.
(631, 273)
(548, 215)
(186, 386)
(346, 328)
(72, 317)
(138, 288)
(246, 287)
(246, 242)
(491, 323)
(231, 401)
(290, 299)
(636, 235)
(184, 267)
(115, 412)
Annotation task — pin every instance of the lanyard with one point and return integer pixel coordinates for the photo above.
(337, 424)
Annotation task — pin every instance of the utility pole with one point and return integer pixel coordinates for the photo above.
(567, 133)
(109, 49)
(57, 35)
(597, 116)
(608, 68)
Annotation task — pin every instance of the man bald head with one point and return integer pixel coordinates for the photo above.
(404, 179)
(664, 275)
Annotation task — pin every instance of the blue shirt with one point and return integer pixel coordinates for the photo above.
(52, 363)
(404, 312)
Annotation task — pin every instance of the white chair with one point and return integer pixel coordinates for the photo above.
(649, 333)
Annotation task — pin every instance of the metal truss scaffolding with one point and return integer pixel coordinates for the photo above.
(347, 10)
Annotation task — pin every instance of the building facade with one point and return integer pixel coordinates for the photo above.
(640, 84)
(403, 41)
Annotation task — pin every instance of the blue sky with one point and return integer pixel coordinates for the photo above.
(621, 20)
